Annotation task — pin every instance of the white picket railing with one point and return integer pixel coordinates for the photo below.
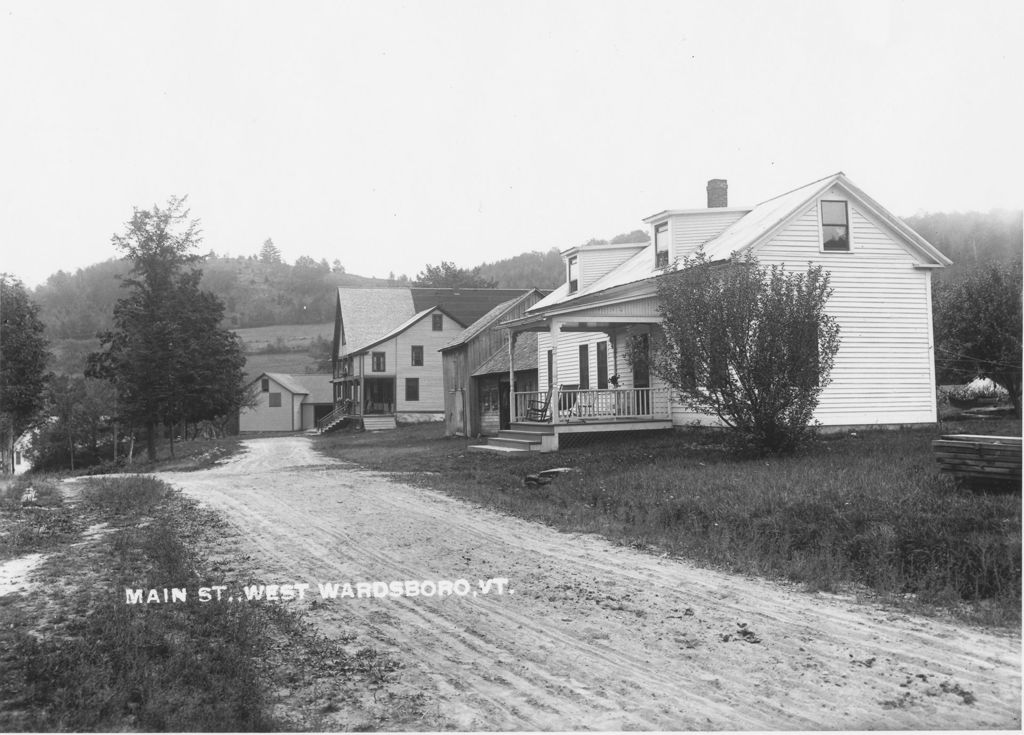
(581, 404)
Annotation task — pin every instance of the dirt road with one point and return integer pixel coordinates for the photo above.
(588, 635)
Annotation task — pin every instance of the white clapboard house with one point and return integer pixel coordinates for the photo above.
(881, 278)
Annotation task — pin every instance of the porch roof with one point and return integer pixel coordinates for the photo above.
(524, 357)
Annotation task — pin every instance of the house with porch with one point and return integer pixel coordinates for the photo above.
(386, 360)
(476, 362)
(881, 278)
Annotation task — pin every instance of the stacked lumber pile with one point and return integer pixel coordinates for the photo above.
(973, 457)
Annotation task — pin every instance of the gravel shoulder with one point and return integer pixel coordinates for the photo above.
(586, 634)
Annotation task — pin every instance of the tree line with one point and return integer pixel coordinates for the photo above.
(167, 361)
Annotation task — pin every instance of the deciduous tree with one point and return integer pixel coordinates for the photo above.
(977, 321)
(23, 357)
(448, 275)
(749, 344)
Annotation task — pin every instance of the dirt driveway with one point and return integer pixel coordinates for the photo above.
(588, 635)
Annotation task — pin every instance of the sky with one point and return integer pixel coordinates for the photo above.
(389, 135)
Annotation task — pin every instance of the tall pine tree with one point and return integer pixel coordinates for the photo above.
(167, 355)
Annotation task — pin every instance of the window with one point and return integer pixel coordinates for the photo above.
(417, 355)
(584, 366)
(265, 385)
(412, 389)
(275, 400)
(437, 322)
(378, 362)
(661, 245)
(574, 273)
(489, 399)
(602, 364)
(835, 226)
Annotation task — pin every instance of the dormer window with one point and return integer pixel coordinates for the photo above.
(661, 245)
(574, 273)
(835, 227)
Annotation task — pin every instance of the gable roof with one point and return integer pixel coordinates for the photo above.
(321, 392)
(464, 305)
(367, 314)
(750, 231)
(489, 319)
(768, 218)
(402, 327)
(287, 382)
(320, 388)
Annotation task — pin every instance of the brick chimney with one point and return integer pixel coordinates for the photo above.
(718, 193)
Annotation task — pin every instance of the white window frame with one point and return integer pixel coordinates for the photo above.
(662, 227)
(821, 227)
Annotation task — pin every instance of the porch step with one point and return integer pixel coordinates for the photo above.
(520, 438)
(530, 428)
(497, 449)
(333, 424)
(379, 423)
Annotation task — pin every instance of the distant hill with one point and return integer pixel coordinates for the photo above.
(258, 294)
(972, 237)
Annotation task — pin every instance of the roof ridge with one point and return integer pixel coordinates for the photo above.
(803, 186)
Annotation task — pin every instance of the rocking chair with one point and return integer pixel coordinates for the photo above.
(539, 410)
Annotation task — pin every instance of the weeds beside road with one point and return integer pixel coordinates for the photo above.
(868, 511)
(75, 656)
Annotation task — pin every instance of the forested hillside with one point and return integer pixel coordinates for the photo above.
(261, 290)
(972, 237)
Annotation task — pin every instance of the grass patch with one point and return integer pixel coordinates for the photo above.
(33, 517)
(80, 658)
(868, 510)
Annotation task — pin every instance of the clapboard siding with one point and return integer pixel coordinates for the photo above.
(261, 417)
(430, 374)
(883, 371)
(689, 231)
(569, 357)
(598, 260)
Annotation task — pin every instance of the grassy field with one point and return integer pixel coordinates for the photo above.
(284, 338)
(867, 513)
(290, 363)
(74, 656)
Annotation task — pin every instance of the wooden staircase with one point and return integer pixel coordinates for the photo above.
(521, 437)
(379, 423)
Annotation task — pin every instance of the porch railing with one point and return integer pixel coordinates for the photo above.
(330, 418)
(583, 404)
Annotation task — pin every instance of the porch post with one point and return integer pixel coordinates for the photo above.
(511, 377)
(555, 329)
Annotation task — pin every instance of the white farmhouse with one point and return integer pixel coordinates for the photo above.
(880, 270)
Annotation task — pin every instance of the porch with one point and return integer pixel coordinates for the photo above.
(541, 417)
(371, 402)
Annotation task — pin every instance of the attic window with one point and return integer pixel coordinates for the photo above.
(661, 245)
(265, 385)
(437, 322)
(835, 227)
(574, 274)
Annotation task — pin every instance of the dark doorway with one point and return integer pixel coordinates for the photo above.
(504, 406)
